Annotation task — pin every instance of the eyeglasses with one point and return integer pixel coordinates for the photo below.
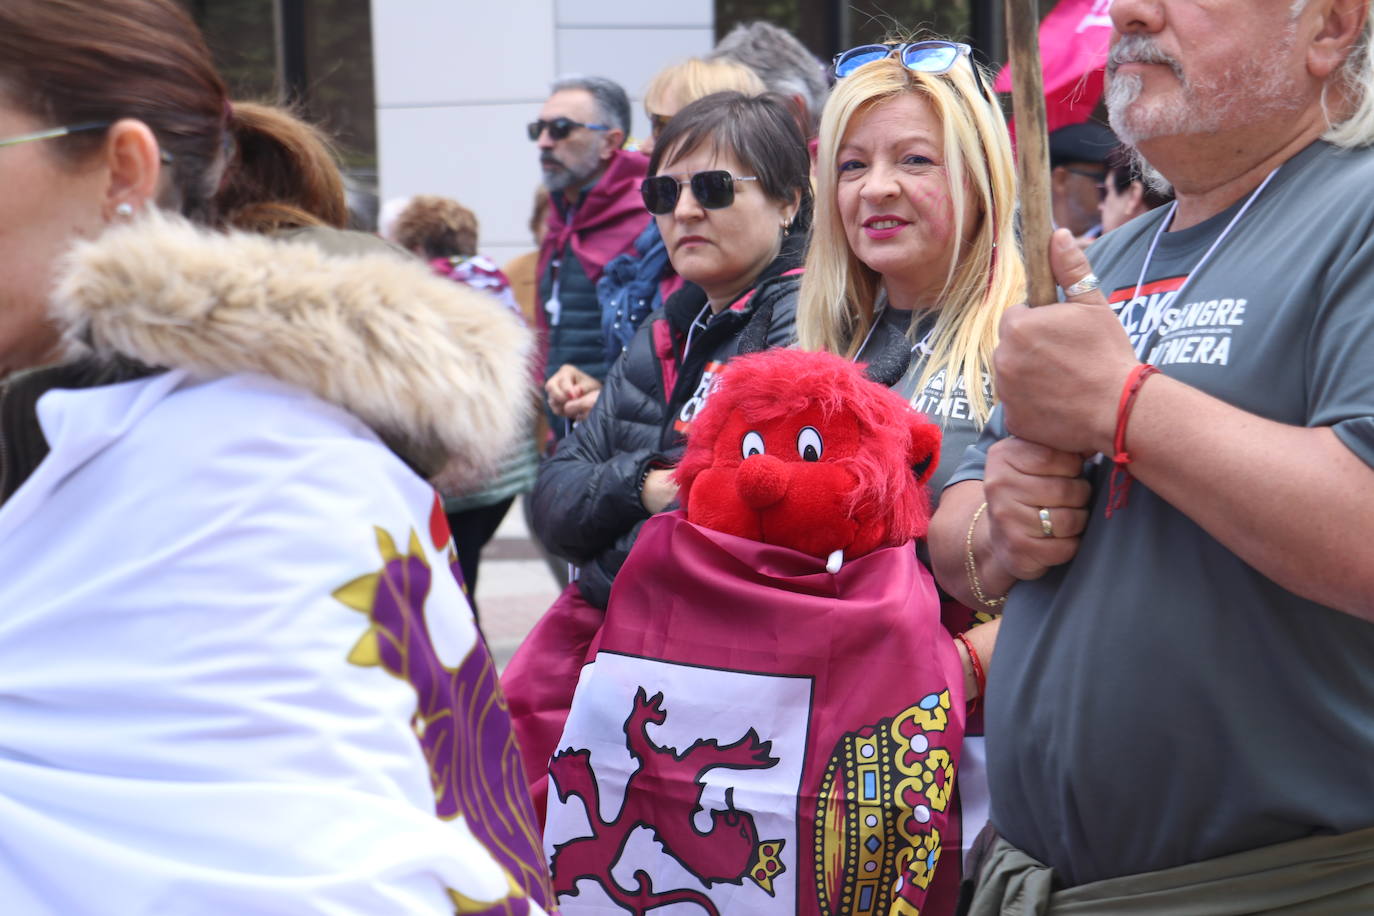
(714, 190)
(559, 128)
(934, 57)
(53, 133)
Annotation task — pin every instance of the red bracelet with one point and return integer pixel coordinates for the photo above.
(1119, 485)
(979, 676)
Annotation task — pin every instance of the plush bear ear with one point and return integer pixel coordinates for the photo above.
(923, 451)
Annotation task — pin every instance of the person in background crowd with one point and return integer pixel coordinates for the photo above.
(523, 270)
(387, 213)
(444, 232)
(1078, 157)
(728, 179)
(596, 215)
(636, 283)
(236, 674)
(1179, 711)
(1125, 193)
(912, 262)
(784, 65)
(678, 85)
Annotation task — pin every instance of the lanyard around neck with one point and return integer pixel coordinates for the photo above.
(1169, 218)
(686, 348)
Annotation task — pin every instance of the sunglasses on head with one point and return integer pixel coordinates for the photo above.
(559, 128)
(934, 57)
(714, 190)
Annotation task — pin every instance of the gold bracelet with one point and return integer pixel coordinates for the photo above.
(976, 584)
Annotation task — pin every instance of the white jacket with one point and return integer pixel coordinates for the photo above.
(236, 674)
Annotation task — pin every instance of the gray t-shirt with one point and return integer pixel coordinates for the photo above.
(1157, 701)
(943, 404)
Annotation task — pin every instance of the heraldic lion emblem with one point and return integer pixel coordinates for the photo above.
(662, 795)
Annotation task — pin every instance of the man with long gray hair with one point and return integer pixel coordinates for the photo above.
(1180, 714)
(596, 214)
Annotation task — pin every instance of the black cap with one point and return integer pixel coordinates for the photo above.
(1086, 142)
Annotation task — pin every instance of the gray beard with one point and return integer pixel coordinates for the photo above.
(1251, 90)
(569, 175)
(559, 180)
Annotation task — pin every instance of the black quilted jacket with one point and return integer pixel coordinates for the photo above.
(586, 502)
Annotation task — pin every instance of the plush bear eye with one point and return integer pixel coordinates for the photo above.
(753, 444)
(809, 444)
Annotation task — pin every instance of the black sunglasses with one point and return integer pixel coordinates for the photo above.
(714, 190)
(934, 57)
(559, 128)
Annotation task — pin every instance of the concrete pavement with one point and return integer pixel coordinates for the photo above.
(514, 586)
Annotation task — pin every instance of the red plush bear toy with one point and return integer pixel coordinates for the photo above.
(802, 450)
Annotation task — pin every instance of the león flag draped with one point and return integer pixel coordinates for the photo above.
(756, 735)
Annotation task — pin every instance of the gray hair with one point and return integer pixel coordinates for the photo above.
(612, 104)
(1356, 79)
(780, 60)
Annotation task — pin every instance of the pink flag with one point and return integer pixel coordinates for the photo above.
(1074, 40)
(755, 734)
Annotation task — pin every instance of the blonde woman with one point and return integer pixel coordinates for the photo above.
(912, 261)
(678, 85)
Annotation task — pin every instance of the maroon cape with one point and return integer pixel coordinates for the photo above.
(606, 222)
(539, 682)
(755, 734)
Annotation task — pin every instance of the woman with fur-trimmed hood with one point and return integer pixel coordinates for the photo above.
(236, 672)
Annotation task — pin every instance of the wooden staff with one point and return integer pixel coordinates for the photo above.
(1032, 147)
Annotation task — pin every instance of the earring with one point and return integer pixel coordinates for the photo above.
(124, 210)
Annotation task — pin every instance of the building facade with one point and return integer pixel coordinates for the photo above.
(432, 96)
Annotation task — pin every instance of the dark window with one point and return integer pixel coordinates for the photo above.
(317, 53)
(830, 26)
(243, 39)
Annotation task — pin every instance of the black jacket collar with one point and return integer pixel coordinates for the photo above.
(683, 306)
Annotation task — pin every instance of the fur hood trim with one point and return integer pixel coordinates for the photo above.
(439, 371)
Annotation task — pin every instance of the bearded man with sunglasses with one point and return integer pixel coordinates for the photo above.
(596, 215)
(1180, 711)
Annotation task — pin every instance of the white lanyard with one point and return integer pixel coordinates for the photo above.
(877, 317)
(692, 330)
(1164, 224)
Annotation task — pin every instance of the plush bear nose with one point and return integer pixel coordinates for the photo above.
(761, 481)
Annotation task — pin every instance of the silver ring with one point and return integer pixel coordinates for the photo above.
(1086, 285)
(1046, 526)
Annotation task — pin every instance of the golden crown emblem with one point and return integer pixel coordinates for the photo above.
(767, 864)
(875, 827)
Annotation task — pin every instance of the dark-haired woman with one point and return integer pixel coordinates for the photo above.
(728, 182)
(232, 652)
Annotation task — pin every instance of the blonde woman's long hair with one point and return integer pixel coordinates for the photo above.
(987, 275)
